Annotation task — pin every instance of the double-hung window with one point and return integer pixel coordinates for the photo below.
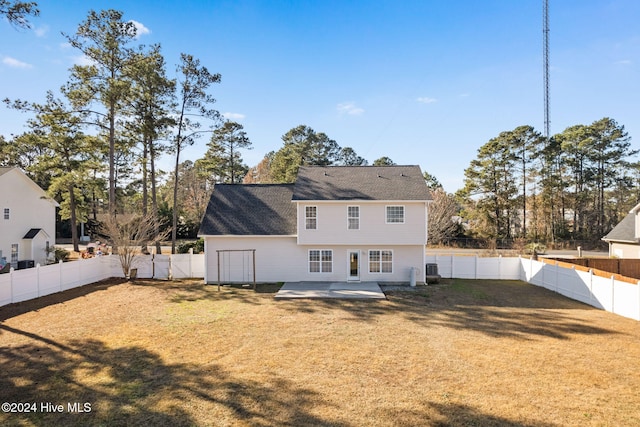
(353, 217)
(320, 261)
(395, 214)
(380, 261)
(14, 254)
(311, 217)
(7, 213)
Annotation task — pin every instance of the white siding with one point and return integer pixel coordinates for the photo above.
(624, 250)
(332, 224)
(29, 208)
(280, 259)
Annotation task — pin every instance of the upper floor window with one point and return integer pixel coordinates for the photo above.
(311, 217)
(395, 214)
(353, 217)
(7, 213)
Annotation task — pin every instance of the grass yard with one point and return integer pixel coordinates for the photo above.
(180, 353)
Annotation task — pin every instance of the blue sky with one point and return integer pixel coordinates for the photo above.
(422, 82)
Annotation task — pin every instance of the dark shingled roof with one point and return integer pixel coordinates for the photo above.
(32, 233)
(252, 209)
(360, 183)
(625, 231)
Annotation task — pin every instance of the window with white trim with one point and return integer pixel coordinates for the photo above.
(380, 261)
(14, 253)
(7, 213)
(320, 261)
(311, 217)
(353, 217)
(395, 214)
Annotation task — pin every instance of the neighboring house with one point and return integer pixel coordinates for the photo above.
(336, 223)
(624, 239)
(27, 219)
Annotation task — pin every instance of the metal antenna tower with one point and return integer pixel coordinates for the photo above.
(545, 33)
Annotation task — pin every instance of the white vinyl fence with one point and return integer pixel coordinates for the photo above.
(22, 285)
(612, 295)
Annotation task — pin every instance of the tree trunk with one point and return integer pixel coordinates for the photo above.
(73, 219)
(174, 234)
(112, 161)
(154, 194)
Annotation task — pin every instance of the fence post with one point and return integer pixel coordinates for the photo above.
(475, 268)
(638, 299)
(452, 266)
(38, 278)
(11, 282)
(613, 295)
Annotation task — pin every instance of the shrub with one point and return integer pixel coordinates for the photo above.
(196, 245)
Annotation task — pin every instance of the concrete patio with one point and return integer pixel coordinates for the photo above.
(359, 290)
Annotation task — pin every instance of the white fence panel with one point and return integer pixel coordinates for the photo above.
(70, 274)
(197, 265)
(93, 270)
(181, 266)
(534, 271)
(5, 289)
(28, 284)
(570, 284)
(626, 299)
(144, 265)
(586, 277)
(602, 293)
(48, 279)
(162, 266)
(464, 267)
(487, 268)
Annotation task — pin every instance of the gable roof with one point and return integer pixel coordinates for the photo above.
(34, 232)
(625, 231)
(360, 183)
(250, 209)
(43, 194)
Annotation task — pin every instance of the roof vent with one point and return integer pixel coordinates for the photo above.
(401, 173)
(379, 176)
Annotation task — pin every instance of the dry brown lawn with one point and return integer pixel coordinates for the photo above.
(180, 353)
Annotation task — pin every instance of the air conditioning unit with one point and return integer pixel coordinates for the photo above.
(432, 273)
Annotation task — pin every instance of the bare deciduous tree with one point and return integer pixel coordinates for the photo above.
(442, 217)
(128, 237)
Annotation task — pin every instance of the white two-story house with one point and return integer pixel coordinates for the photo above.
(336, 223)
(27, 219)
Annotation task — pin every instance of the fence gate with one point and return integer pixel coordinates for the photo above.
(236, 266)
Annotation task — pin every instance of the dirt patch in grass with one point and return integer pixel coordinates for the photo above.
(182, 353)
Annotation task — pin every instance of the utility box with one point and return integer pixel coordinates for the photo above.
(26, 263)
(432, 273)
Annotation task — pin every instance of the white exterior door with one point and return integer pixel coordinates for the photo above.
(354, 265)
